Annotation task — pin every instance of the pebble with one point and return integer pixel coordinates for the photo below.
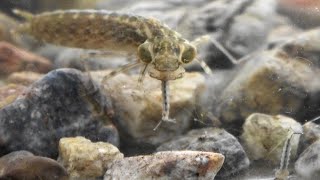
(6, 25)
(24, 77)
(264, 136)
(63, 103)
(167, 165)
(274, 82)
(24, 165)
(9, 93)
(84, 159)
(14, 59)
(137, 111)
(311, 133)
(303, 13)
(212, 140)
(308, 163)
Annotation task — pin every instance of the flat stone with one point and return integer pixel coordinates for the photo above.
(84, 159)
(308, 163)
(264, 136)
(212, 140)
(167, 165)
(137, 111)
(24, 165)
(63, 103)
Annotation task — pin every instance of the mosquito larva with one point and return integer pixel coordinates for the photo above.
(160, 50)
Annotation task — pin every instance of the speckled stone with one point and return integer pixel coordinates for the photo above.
(311, 134)
(308, 163)
(63, 103)
(137, 111)
(167, 165)
(84, 159)
(212, 140)
(24, 165)
(275, 82)
(264, 136)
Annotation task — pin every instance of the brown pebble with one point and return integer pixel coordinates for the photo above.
(14, 59)
(24, 165)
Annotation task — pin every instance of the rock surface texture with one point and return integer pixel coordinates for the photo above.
(212, 140)
(167, 165)
(63, 103)
(308, 164)
(84, 159)
(24, 165)
(264, 136)
(137, 110)
(280, 81)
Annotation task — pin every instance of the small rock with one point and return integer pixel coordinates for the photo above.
(304, 13)
(212, 140)
(14, 59)
(304, 48)
(24, 165)
(9, 93)
(137, 111)
(264, 136)
(63, 103)
(311, 133)
(249, 29)
(240, 26)
(24, 77)
(167, 165)
(6, 25)
(84, 159)
(275, 82)
(308, 164)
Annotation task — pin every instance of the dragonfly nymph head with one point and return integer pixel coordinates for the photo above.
(166, 56)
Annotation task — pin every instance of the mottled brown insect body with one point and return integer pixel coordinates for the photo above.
(162, 50)
(93, 29)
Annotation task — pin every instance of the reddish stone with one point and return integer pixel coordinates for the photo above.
(14, 59)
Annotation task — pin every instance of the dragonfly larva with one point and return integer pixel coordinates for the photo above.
(161, 50)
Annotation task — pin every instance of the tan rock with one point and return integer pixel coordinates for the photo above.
(271, 83)
(24, 77)
(84, 159)
(138, 110)
(264, 136)
(9, 93)
(6, 25)
(167, 165)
